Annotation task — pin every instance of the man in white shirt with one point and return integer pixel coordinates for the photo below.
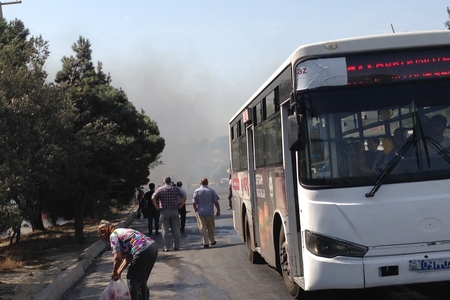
(204, 200)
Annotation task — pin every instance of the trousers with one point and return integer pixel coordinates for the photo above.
(139, 270)
(170, 219)
(206, 226)
(182, 213)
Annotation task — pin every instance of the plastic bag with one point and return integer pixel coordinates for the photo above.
(116, 290)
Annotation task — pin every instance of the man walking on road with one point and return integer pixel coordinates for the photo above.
(204, 200)
(165, 199)
(182, 210)
(153, 214)
(141, 202)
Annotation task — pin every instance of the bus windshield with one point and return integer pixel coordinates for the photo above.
(358, 133)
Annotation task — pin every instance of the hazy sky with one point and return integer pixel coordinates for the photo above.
(192, 64)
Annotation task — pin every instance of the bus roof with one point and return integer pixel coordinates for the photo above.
(389, 41)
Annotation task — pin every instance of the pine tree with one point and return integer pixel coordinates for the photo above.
(119, 142)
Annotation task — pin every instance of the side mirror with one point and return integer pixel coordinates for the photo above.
(296, 139)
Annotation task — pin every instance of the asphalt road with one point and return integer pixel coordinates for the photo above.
(219, 272)
(223, 272)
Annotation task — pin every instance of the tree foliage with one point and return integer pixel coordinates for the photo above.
(34, 121)
(69, 148)
(121, 142)
(447, 23)
(11, 220)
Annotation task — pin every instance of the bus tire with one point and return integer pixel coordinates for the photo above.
(283, 262)
(253, 256)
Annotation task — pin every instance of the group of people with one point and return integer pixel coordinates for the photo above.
(148, 210)
(373, 160)
(165, 204)
(170, 199)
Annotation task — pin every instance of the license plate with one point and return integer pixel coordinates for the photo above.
(429, 264)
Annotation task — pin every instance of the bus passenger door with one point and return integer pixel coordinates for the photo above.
(253, 217)
(292, 220)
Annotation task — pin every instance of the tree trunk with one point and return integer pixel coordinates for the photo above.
(37, 223)
(11, 239)
(79, 234)
(18, 234)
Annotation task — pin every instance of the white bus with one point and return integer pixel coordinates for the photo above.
(323, 190)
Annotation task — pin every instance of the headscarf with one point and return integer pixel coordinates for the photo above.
(105, 229)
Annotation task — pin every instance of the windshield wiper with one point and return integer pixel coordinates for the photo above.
(417, 133)
(398, 156)
(425, 140)
(439, 149)
(417, 136)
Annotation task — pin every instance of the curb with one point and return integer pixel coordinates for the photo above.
(56, 289)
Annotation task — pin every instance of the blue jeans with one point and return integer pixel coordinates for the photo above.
(170, 218)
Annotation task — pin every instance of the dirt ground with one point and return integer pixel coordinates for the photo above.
(44, 255)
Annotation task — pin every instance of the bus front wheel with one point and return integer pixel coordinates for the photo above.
(285, 269)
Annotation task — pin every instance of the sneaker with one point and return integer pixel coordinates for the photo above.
(213, 243)
(229, 208)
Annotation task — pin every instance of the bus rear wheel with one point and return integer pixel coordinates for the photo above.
(253, 256)
(285, 270)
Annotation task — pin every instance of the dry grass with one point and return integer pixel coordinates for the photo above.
(43, 243)
(36, 247)
(9, 264)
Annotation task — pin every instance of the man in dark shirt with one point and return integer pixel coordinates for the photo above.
(153, 214)
(182, 210)
(141, 202)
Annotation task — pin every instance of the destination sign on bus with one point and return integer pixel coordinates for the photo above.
(373, 68)
(398, 66)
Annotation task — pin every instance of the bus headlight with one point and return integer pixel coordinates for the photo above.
(328, 247)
